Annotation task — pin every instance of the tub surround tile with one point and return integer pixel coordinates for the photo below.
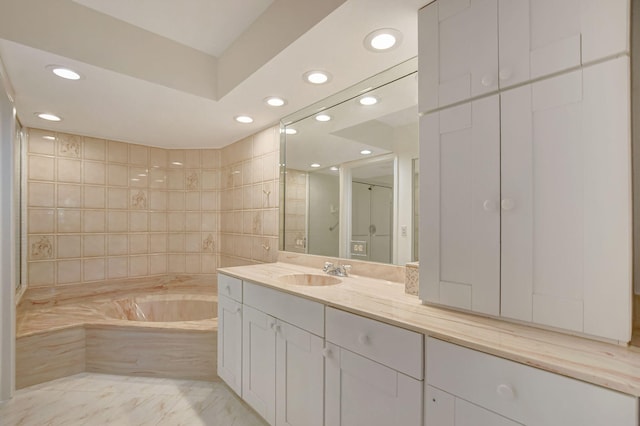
(69, 170)
(94, 149)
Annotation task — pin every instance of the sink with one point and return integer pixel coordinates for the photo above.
(309, 279)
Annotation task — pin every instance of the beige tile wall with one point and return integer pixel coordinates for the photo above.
(249, 200)
(100, 210)
(295, 211)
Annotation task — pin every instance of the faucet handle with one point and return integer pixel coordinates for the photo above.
(327, 266)
(347, 269)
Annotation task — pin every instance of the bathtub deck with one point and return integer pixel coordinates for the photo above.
(58, 337)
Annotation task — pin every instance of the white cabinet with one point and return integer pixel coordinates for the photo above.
(229, 354)
(471, 384)
(378, 379)
(230, 342)
(282, 364)
(460, 185)
(259, 363)
(469, 48)
(527, 203)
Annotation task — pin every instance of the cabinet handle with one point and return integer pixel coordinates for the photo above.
(487, 80)
(508, 204)
(326, 352)
(277, 328)
(506, 392)
(363, 339)
(505, 74)
(488, 205)
(236, 310)
(228, 288)
(272, 325)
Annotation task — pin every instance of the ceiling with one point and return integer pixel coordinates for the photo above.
(174, 74)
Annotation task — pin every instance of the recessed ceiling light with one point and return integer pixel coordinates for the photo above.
(317, 77)
(334, 168)
(290, 131)
(383, 40)
(275, 101)
(368, 100)
(47, 116)
(315, 165)
(366, 152)
(64, 72)
(244, 119)
(323, 117)
(49, 138)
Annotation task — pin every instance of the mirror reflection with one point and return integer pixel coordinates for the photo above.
(350, 174)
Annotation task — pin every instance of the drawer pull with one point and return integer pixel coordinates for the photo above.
(236, 310)
(506, 392)
(363, 339)
(326, 352)
(228, 288)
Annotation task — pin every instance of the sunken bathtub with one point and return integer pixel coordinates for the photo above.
(170, 335)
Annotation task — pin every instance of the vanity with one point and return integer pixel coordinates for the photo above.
(362, 352)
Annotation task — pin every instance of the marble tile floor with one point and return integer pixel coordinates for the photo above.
(89, 399)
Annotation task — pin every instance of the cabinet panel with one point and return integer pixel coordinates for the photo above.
(392, 346)
(522, 393)
(230, 287)
(565, 178)
(362, 392)
(259, 362)
(230, 342)
(299, 377)
(460, 57)
(444, 409)
(460, 184)
(304, 313)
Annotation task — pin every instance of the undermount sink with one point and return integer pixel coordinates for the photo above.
(309, 279)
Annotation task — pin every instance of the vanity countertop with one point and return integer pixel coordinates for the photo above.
(613, 366)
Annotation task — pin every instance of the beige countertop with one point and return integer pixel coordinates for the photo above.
(612, 366)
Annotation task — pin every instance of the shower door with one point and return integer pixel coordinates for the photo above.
(371, 225)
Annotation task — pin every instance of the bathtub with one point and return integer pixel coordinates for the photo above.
(155, 334)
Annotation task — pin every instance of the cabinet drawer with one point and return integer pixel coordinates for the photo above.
(302, 313)
(230, 287)
(392, 346)
(522, 393)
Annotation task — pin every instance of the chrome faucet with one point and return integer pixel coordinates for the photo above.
(338, 270)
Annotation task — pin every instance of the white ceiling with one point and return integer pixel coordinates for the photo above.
(206, 25)
(147, 78)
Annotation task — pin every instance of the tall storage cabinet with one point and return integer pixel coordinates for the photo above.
(527, 189)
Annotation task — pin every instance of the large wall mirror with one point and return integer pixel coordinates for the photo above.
(349, 176)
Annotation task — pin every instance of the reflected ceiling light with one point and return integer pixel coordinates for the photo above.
(383, 40)
(275, 101)
(64, 72)
(315, 165)
(368, 100)
(47, 116)
(176, 163)
(334, 168)
(49, 138)
(244, 119)
(290, 131)
(366, 152)
(317, 77)
(323, 117)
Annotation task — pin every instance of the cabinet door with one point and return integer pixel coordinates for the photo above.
(458, 51)
(444, 409)
(566, 208)
(362, 392)
(259, 362)
(460, 194)
(230, 343)
(299, 377)
(541, 37)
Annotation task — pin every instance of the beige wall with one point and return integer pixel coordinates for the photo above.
(249, 198)
(100, 210)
